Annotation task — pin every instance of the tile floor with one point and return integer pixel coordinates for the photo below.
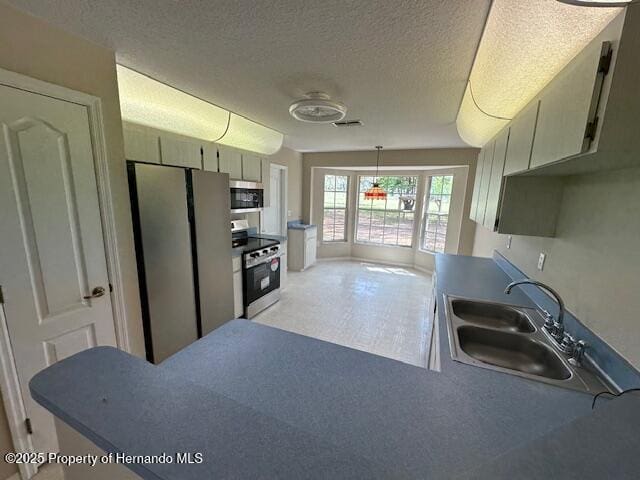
(49, 472)
(371, 307)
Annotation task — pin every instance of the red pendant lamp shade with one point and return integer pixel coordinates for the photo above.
(376, 192)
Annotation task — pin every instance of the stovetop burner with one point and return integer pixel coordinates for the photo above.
(251, 243)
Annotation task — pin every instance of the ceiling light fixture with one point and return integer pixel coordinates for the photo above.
(376, 192)
(598, 3)
(317, 108)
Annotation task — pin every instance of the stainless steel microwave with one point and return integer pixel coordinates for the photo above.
(246, 196)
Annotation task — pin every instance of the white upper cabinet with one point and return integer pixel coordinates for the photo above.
(473, 212)
(567, 107)
(230, 161)
(146, 144)
(210, 157)
(521, 134)
(179, 151)
(141, 144)
(251, 167)
(495, 180)
(483, 190)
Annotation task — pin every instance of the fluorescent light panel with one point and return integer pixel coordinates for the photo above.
(146, 101)
(524, 46)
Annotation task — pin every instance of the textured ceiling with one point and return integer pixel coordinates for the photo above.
(401, 66)
(525, 44)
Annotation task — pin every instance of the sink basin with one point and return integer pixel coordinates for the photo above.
(492, 315)
(515, 352)
(511, 339)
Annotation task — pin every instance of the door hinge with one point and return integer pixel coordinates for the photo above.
(605, 61)
(110, 288)
(28, 426)
(1, 296)
(591, 129)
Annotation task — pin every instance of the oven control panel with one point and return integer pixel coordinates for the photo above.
(261, 256)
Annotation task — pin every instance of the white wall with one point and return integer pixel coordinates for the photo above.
(594, 261)
(293, 161)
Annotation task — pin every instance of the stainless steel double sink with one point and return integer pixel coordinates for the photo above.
(510, 339)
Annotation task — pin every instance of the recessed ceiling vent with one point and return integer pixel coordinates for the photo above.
(317, 107)
(348, 123)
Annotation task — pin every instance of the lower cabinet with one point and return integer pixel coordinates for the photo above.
(302, 248)
(238, 296)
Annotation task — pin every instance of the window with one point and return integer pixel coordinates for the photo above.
(389, 221)
(436, 218)
(334, 218)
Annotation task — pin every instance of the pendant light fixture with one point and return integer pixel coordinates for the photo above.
(376, 192)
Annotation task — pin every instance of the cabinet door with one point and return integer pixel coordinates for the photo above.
(180, 152)
(495, 180)
(230, 161)
(309, 252)
(564, 109)
(210, 157)
(238, 298)
(476, 187)
(483, 190)
(521, 136)
(141, 144)
(251, 167)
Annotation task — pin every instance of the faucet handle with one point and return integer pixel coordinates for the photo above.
(548, 320)
(568, 344)
(578, 350)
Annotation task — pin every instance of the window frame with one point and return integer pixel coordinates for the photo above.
(345, 238)
(400, 211)
(426, 213)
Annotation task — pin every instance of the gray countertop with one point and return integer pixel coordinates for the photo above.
(321, 404)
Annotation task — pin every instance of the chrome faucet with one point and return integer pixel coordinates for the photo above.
(555, 328)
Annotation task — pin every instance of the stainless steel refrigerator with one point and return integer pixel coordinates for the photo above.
(181, 221)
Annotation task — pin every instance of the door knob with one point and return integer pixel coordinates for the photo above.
(95, 293)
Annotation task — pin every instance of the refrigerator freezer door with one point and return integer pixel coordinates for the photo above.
(168, 263)
(211, 204)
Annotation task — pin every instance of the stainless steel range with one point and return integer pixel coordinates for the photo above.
(260, 271)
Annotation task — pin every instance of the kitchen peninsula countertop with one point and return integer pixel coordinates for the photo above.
(262, 402)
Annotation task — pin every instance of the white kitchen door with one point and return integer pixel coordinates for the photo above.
(53, 271)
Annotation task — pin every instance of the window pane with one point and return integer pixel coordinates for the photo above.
(335, 203)
(362, 225)
(434, 204)
(436, 216)
(329, 183)
(327, 224)
(329, 199)
(391, 228)
(436, 185)
(377, 225)
(447, 184)
(440, 240)
(445, 203)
